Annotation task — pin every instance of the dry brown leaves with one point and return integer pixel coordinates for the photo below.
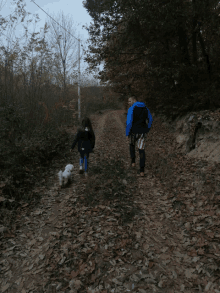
(172, 245)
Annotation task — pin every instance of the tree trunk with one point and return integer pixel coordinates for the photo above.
(205, 55)
(194, 24)
(183, 44)
(195, 55)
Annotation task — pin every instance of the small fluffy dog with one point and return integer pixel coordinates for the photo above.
(66, 175)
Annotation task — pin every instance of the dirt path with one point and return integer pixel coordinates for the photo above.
(115, 231)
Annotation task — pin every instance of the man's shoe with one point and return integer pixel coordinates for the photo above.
(133, 164)
(142, 174)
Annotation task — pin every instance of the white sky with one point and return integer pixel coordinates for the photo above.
(72, 8)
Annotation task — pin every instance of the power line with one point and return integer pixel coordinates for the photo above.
(61, 26)
(79, 111)
(55, 20)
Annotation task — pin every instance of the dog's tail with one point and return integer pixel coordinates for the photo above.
(60, 177)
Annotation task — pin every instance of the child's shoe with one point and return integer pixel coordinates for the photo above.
(81, 170)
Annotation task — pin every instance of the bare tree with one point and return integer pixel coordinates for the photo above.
(63, 43)
(2, 4)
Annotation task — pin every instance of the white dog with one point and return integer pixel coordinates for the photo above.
(66, 175)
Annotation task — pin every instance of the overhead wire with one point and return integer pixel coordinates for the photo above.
(55, 20)
(59, 25)
(51, 18)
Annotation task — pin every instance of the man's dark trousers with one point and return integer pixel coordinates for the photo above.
(140, 139)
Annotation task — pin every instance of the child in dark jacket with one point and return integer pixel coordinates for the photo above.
(86, 142)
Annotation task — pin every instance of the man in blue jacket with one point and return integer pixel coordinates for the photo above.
(138, 124)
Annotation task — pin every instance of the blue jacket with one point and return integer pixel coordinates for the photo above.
(137, 115)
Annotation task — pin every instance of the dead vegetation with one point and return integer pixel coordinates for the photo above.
(117, 231)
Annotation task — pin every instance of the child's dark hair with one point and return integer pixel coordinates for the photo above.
(86, 123)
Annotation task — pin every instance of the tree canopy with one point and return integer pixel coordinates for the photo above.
(165, 52)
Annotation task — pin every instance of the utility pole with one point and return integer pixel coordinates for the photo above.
(79, 78)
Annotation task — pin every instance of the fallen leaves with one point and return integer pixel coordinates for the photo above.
(200, 251)
(188, 273)
(5, 287)
(89, 248)
(188, 226)
(75, 284)
(164, 256)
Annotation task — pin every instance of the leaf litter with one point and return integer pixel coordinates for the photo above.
(116, 231)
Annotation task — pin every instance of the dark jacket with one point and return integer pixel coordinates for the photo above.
(85, 139)
(140, 120)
